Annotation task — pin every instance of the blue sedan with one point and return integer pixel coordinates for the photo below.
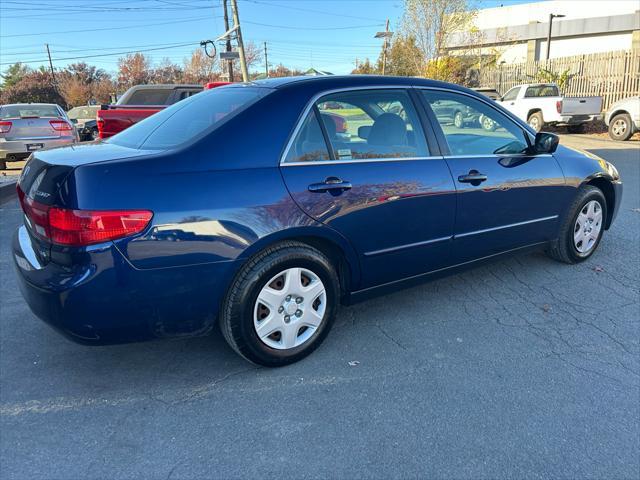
(261, 207)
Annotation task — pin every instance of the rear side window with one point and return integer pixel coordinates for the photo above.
(189, 119)
(542, 91)
(309, 144)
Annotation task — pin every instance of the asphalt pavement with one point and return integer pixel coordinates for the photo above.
(525, 368)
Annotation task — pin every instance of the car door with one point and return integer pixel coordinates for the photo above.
(509, 101)
(507, 197)
(378, 184)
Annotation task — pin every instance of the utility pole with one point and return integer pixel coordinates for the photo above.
(53, 75)
(228, 42)
(551, 17)
(266, 61)
(236, 23)
(384, 49)
(385, 35)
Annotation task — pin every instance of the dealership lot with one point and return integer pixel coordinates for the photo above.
(525, 368)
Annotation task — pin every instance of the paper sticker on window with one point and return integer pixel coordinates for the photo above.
(344, 153)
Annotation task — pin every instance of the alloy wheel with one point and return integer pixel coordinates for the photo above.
(619, 127)
(587, 227)
(290, 308)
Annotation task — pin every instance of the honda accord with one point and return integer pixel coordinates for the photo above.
(261, 207)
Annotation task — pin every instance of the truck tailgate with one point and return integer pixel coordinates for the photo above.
(581, 105)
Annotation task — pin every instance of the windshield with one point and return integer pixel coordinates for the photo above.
(188, 119)
(82, 112)
(27, 110)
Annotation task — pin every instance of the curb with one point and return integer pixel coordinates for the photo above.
(8, 191)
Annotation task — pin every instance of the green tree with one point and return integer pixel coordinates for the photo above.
(13, 74)
(33, 87)
(404, 58)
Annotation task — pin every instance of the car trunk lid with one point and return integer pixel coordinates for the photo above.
(35, 128)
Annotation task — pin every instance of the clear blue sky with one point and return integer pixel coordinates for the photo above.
(325, 34)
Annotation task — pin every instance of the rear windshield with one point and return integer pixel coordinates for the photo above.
(148, 96)
(26, 110)
(188, 119)
(542, 91)
(82, 112)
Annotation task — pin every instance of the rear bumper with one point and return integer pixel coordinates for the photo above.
(105, 300)
(18, 148)
(578, 119)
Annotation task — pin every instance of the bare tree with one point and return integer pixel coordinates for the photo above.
(199, 68)
(432, 22)
(134, 69)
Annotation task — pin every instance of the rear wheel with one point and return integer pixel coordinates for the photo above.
(536, 121)
(488, 124)
(582, 229)
(620, 127)
(281, 305)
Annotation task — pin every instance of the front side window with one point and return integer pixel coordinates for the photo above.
(511, 94)
(483, 129)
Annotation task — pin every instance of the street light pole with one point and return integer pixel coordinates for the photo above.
(551, 17)
(385, 35)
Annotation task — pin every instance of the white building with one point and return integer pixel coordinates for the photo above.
(518, 33)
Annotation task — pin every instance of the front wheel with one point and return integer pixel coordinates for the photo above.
(281, 305)
(582, 229)
(458, 120)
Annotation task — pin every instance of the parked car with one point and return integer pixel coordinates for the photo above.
(541, 104)
(241, 207)
(455, 113)
(28, 127)
(623, 118)
(140, 102)
(84, 120)
(491, 93)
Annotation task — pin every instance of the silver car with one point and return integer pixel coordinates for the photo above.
(27, 127)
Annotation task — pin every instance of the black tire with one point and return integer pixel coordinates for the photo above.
(94, 135)
(236, 315)
(563, 249)
(576, 128)
(620, 127)
(536, 121)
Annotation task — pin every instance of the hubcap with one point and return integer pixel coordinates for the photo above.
(290, 308)
(619, 127)
(587, 227)
(533, 122)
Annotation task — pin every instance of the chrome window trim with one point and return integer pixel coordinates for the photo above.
(310, 105)
(372, 160)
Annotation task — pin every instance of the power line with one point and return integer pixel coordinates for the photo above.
(101, 54)
(193, 19)
(289, 7)
(289, 27)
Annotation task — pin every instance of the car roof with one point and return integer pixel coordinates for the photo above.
(328, 82)
(165, 86)
(32, 104)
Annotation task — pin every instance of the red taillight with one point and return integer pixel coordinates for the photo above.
(5, 127)
(60, 125)
(341, 124)
(78, 228)
(559, 106)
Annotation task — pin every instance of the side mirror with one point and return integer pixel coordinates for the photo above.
(545, 143)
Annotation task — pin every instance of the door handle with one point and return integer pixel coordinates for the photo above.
(473, 177)
(332, 185)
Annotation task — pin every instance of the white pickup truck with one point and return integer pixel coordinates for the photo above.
(540, 104)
